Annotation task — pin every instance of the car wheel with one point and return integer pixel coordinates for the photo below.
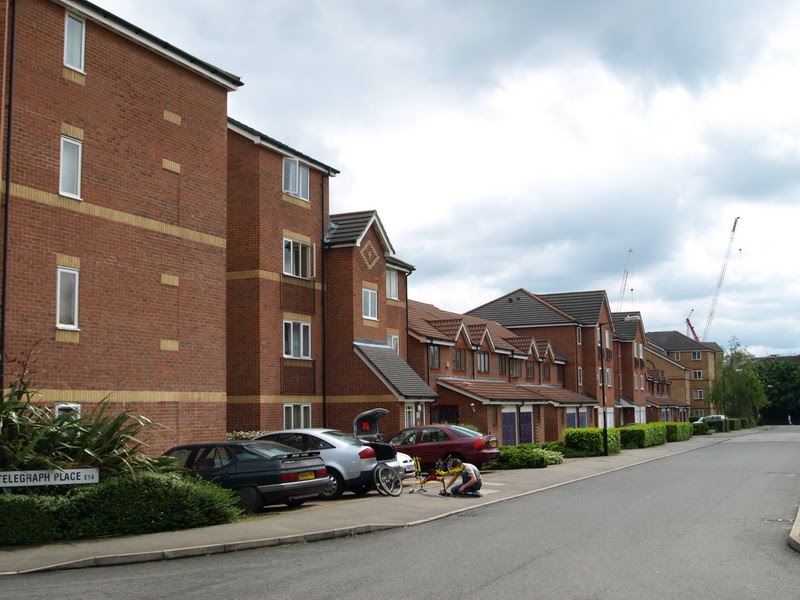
(449, 460)
(362, 489)
(294, 503)
(249, 499)
(335, 487)
(387, 481)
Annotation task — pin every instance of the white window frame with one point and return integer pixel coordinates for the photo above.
(68, 408)
(393, 341)
(82, 59)
(697, 374)
(291, 329)
(608, 338)
(369, 304)
(410, 412)
(697, 355)
(580, 336)
(78, 168)
(291, 250)
(677, 356)
(580, 375)
(392, 284)
(599, 335)
(609, 377)
(296, 178)
(63, 271)
(296, 412)
(600, 378)
(698, 395)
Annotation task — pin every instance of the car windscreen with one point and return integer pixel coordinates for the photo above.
(344, 437)
(463, 431)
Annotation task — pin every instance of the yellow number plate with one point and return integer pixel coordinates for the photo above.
(306, 475)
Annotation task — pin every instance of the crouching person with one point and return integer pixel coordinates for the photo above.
(470, 480)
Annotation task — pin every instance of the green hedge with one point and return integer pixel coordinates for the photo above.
(526, 456)
(678, 432)
(589, 440)
(734, 424)
(643, 435)
(700, 429)
(717, 426)
(123, 505)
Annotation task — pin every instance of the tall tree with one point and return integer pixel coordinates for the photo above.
(738, 390)
(781, 381)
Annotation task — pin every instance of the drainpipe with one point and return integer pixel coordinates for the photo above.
(324, 310)
(7, 197)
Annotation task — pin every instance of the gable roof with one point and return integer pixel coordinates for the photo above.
(626, 329)
(521, 308)
(585, 307)
(674, 341)
(393, 371)
(263, 139)
(133, 33)
(349, 229)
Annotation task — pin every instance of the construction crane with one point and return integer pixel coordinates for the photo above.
(719, 282)
(624, 280)
(690, 328)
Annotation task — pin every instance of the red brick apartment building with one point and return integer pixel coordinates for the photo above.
(488, 376)
(116, 223)
(316, 319)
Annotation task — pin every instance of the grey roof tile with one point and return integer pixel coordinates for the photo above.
(396, 372)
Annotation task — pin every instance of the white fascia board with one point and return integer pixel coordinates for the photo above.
(260, 141)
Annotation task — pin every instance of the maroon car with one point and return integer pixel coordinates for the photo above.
(431, 443)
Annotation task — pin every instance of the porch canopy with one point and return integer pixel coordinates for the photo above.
(487, 391)
(394, 372)
(558, 396)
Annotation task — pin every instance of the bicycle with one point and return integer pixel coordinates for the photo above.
(435, 474)
(387, 481)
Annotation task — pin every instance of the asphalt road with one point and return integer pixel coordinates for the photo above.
(711, 523)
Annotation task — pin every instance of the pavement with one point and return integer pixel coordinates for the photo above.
(350, 515)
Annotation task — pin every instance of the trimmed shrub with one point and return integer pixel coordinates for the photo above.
(718, 426)
(643, 435)
(526, 456)
(734, 424)
(700, 429)
(590, 440)
(678, 432)
(123, 505)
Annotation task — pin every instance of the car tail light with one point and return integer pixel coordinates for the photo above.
(288, 477)
(320, 473)
(479, 444)
(367, 453)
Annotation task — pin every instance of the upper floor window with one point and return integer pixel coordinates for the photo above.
(697, 374)
(580, 335)
(546, 371)
(434, 358)
(298, 259)
(641, 351)
(530, 371)
(295, 178)
(74, 42)
(393, 341)
(483, 361)
(296, 339)
(697, 394)
(369, 301)
(514, 367)
(609, 377)
(580, 376)
(676, 355)
(696, 354)
(70, 176)
(391, 285)
(459, 359)
(600, 375)
(502, 360)
(599, 335)
(608, 338)
(67, 299)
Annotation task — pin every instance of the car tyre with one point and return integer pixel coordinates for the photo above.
(362, 489)
(449, 460)
(249, 499)
(335, 487)
(294, 503)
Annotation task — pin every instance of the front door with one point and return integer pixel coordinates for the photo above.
(525, 427)
(509, 429)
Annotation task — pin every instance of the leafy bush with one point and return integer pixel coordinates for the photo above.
(123, 505)
(590, 440)
(718, 426)
(242, 435)
(563, 450)
(701, 429)
(678, 432)
(643, 435)
(526, 456)
(734, 424)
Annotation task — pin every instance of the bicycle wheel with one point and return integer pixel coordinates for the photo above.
(387, 481)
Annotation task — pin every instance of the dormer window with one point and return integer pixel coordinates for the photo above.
(295, 178)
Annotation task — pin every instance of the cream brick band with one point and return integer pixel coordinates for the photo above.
(296, 236)
(274, 399)
(115, 216)
(290, 316)
(126, 396)
(71, 262)
(171, 165)
(169, 280)
(74, 76)
(369, 285)
(172, 117)
(170, 345)
(69, 337)
(271, 276)
(296, 201)
(72, 131)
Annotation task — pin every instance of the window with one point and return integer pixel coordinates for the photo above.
(369, 299)
(696, 354)
(600, 376)
(410, 413)
(459, 359)
(298, 259)
(70, 176)
(393, 341)
(609, 377)
(697, 374)
(514, 367)
(433, 355)
(676, 355)
(599, 335)
(546, 371)
(502, 360)
(296, 339)
(295, 178)
(697, 394)
(580, 335)
(608, 338)
(296, 416)
(530, 372)
(580, 376)
(68, 408)
(483, 361)
(641, 351)
(391, 284)
(67, 299)
(74, 42)
(576, 417)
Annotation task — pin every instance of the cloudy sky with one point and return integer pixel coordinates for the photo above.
(510, 144)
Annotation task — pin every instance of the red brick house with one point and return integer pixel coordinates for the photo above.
(116, 243)
(486, 375)
(632, 392)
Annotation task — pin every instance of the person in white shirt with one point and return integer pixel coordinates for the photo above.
(470, 480)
